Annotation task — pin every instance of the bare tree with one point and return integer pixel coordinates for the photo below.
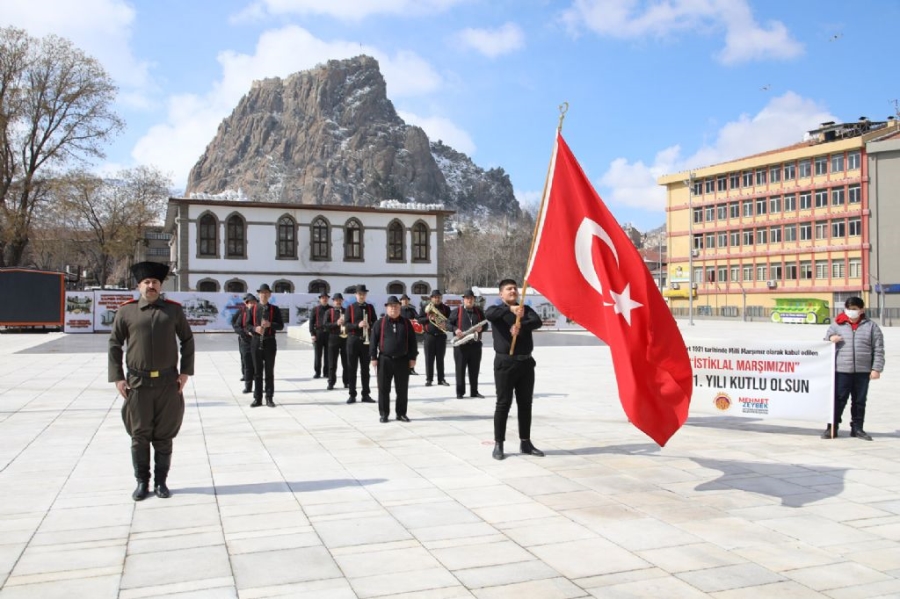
(54, 109)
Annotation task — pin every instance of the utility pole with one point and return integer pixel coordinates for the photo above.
(690, 185)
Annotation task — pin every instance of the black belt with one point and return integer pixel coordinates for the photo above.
(516, 357)
(438, 334)
(152, 374)
(393, 357)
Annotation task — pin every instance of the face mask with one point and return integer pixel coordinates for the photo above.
(851, 314)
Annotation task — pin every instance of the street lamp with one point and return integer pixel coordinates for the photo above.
(690, 185)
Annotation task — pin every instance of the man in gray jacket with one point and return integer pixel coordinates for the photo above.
(859, 358)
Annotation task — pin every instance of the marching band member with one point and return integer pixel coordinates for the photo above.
(337, 341)
(467, 355)
(393, 350)
(359, 319)
(433, 317)
(409, 312)
(319, 336)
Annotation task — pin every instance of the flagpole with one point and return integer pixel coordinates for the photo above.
(563, 109)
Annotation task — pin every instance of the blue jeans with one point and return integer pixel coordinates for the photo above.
(854, 385)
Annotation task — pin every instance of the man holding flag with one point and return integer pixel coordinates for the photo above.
(585, 264)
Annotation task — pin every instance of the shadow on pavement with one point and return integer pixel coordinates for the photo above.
(279, 487)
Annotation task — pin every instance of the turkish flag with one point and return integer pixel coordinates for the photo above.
(585, 264)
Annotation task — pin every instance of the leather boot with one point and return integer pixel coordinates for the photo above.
(160, 474)
(140, 459)
(529, 449)
(498, 451)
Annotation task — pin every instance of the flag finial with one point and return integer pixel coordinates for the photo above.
(563, 109)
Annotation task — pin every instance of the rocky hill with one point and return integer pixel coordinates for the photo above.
(330, 135)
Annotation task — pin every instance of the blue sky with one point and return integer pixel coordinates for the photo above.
(653, 86)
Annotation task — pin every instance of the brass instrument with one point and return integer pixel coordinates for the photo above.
(365, 333)
(468, 335)
(343, 333)
(436, 318)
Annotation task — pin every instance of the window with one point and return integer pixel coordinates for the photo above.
(318, 286)
(710, 186)
(698, 215)
(775, 205)
(805, 200)
(722, 211)
(806, 269)
(353, 240)
(790, 232)
(837, 163)
(287, 238)
(208, 285)
(761, 236)
(805, 231)
(747, 235)
(747, 272)
(790, 271)
(790, 172)
(698, 242)
(722, 184)
(747, 179)
(776, 271)
(157, 251)
(790, 203)
(396, 288)
(735, 274)
(854, 227)
(761, 176)
(821, 229)
(854, 194)
(821, 269)
(734, 180)
(157, 235)
(698, 187)
(395, 238)
(775, 174)
(209, 244)
(734, 210)
(837, 269)
(837, 196)
(821, 165)
(235, 286)
(761, 270)
(320, 240)
(722, 240)
(420, 288)
(698, 275)
(805, 168)
(722, 274)
(734, 239)
(710, 274)
(822, 198)
(747, 207)
(710, 241)
(420, 245)
(853, 160)
(710, 214)
(282, 286)
(838, 229)
(855, 268)
(775, 235)
(235, 241)
(760, 206)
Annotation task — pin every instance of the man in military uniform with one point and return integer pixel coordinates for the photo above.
(409, 312)
(467, 356)
(337, 341)
(151, 328)
(510, 322)
(393, 350)
(435, 338)
(359, 319)
(319, 336)
(265, 320)
(240, 322)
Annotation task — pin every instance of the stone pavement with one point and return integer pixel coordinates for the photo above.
(318, 499)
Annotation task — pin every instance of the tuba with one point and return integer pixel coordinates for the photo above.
(436, 318)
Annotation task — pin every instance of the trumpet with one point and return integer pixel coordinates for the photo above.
(365, 333)
(468, 335)
(343, 333)
(436, 318)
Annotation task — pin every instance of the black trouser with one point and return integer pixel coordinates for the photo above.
(854, 385)
(152, 414)
(358, 355)
(398, 370)
(435, 349)
(467, 357)
(263, 350)
(246, 360)
(513, 374)
(320, 347)
(337, 350)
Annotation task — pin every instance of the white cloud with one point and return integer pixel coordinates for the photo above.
(101, 28)
(529, 200)
(347, 10)
(493, 42)
(782, 122)
(192, 119)
(440, 128)
(745, 39)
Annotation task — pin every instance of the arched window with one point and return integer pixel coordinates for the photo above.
(319, 286)
(287, 237)
(208, 285)
(353, 236)
(207, 237)
(420, 245)
(283, 286)
(320, 239)
(396, 288)
(421, 288)
(235, 237)
(395, 242)
(235, 286)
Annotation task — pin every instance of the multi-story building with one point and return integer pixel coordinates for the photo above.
(235, 246)
(792, 223)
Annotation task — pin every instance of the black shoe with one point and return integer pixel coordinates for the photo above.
(498, 451)
(528, 449)
(346, 385)
(317, 376)
(245, 391)
(141, 491)
(827, 433)
(427, 383)
(367, 399)
(162, 491)
(330, 388)
(413, 372)
(351, 400)
(459, 396)
(444, 383)
(384, 419)
(403, 418)
(478, 395)
(860, 434)
(256, 403)
(243, 380)
(270, 403)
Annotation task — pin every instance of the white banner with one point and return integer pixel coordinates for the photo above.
(106, 304)
(763, 379)
(79, 312)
